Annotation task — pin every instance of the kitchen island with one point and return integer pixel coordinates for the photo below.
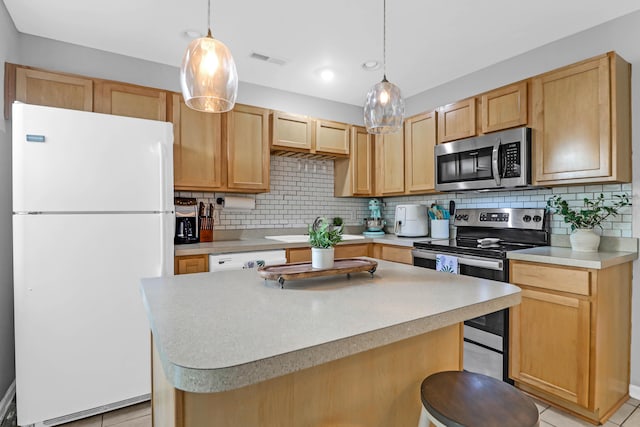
(233, 350)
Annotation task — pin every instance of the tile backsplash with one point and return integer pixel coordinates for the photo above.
(619, 226)
(302, 189)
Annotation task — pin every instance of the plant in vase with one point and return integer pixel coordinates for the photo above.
(584, 219)
(323, 236)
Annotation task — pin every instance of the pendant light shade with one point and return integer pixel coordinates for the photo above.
(208, 76)
(384, 107)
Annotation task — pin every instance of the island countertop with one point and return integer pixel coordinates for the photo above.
(220, 331)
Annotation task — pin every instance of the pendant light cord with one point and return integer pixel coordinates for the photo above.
(384, 38)
(209, 18)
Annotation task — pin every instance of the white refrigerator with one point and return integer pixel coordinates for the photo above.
(92, 215)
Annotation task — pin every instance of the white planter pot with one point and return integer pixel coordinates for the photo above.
(584, 240)
(322, 258)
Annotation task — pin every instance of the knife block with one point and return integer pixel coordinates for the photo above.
(206, 236)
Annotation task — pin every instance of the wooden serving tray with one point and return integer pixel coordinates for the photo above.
(303, 270)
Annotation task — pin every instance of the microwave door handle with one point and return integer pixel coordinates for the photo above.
(495, 164)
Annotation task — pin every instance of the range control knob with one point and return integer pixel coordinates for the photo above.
(526, 218)
(537, 218)
(465, 217)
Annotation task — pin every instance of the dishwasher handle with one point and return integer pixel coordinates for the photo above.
(491, 264)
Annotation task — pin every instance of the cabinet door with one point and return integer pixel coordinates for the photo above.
(248, 148)
(290, 131)
(572, 122)
(191, 264)
(456, 121)
(419, 143)
(197, 147)
(332, 137)
(362, 161)
(351, 250)
(393, 253)
(54, 90)
(389, 159)
(132, 101)
(550, 344)
(504, 108)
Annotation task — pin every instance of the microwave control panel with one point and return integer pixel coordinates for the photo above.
(511, 159)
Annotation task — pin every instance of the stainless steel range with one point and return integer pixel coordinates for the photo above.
(483, 239)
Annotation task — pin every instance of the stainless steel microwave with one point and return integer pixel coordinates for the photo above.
(492, 161)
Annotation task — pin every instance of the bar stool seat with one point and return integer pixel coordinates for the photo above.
(457, 399)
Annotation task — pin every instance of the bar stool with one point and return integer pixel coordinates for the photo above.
(456, 399)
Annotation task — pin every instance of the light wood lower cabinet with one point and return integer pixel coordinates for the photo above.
(393, 253)
(341, 251)
(191, 264)
(570, 336)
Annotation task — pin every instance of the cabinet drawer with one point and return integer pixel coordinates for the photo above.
(191, 264)
(563, 279)
(350, 251)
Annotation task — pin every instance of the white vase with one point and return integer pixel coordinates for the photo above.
(322, 258)
(584, 240)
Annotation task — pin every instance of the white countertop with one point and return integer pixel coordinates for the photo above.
(224, 330)
(565, 256)
(263, 244)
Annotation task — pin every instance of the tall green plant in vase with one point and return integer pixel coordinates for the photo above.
(323, 236)
(584, 219)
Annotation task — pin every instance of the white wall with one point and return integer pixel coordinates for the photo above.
(65, 57)
(8, 52)
(621, 35)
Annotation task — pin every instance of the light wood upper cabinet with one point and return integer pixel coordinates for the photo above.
(389, 160)
(197, 147)
(291, 131)
(581, 121)
(419, 143)
(53, 89)
(129, 100)
(504, 108)
(332, 137)
(247, 142)
(457, 121)
(353, 176)
(569, 338)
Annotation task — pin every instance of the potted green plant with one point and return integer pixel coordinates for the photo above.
(584, 219)
(323, 236)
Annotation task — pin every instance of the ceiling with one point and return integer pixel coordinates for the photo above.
(428, 42)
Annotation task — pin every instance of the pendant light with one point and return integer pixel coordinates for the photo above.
(208, 74)
(384, 107)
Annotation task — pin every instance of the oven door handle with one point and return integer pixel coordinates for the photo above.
(497, 265)
(495, 164)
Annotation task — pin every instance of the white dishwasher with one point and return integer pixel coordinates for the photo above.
(244, 260)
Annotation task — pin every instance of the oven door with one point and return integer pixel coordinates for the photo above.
(486, 337)
(484, 268)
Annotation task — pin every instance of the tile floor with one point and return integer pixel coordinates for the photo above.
(627, 416)
(140, 416)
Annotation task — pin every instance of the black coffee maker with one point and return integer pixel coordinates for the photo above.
(187, 227)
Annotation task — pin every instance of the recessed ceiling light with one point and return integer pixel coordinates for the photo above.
(371, 65)
(192, 34)
(327, 75)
